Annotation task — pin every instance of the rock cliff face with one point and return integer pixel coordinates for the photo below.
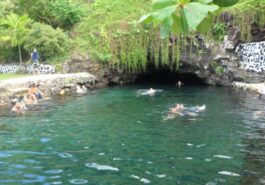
(219, 64)
(105, 74)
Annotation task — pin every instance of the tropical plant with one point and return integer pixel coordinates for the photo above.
(66, 12)
(183, 16)
(50, 42)
(219, 31)
(15, 29)
(6, 7)
(62, 13)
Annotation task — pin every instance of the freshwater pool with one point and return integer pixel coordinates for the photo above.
(114, 136)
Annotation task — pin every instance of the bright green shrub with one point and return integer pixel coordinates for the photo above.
(66, 12)
(62, 13)
(48, 41)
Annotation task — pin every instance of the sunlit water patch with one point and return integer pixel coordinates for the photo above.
(118, 136)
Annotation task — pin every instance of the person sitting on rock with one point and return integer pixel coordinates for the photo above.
(84, 88)
(31, 96)
(80, 90)
(19, 106)
(38, 93)
(62, 92)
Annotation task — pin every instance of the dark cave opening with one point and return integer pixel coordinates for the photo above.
(168, 76)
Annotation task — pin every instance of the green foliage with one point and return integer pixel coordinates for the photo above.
(15, 29)
(62, 13)
(49, 42)
(183, 17)
(11, 76)
(225, 3)
(246, 13)
(66, 13)
(7, 6)
(219, 31)
(38, 10)
(218, 69)
(111, 33)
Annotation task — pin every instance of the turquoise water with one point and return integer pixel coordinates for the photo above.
(114, 136)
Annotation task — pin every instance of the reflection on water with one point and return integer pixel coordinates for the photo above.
(115, 136)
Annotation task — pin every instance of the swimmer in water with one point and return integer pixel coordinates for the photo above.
(180, 110)
(179, 84)
(177, 109)
(151, 91)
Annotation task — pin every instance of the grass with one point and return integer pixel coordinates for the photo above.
(7, 76)
(104, 18)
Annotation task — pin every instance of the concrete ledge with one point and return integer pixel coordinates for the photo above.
(51, 84)
(252, 87)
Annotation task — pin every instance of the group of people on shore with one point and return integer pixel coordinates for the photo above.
(33, 95)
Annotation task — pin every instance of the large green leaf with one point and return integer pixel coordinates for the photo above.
(165, 13)
(159, 4)
(147, 18)
(183, 17)
(195, 13)
(203, 1)
(205, 25)
(180, 25)
(225, 3)
(166, 27)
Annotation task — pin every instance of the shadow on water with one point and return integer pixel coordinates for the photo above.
(165, 76)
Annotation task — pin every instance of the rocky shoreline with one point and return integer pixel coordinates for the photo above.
(50, 84)
(258, 88)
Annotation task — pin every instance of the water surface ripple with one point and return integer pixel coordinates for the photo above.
(116, 136)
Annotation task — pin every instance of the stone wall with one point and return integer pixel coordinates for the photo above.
(39, 69)
(252, 56)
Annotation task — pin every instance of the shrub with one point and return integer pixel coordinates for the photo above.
(62, 13)
(48, 41)
(66, 13)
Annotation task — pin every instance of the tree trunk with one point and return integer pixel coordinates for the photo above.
(19, 52)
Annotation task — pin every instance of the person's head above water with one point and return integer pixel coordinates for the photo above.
(179, 106)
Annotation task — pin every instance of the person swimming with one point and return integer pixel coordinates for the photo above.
(181, 110)
(179, 84)
(149, 92)
(177, 109)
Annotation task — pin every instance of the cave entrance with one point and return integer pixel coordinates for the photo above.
(167, 76)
